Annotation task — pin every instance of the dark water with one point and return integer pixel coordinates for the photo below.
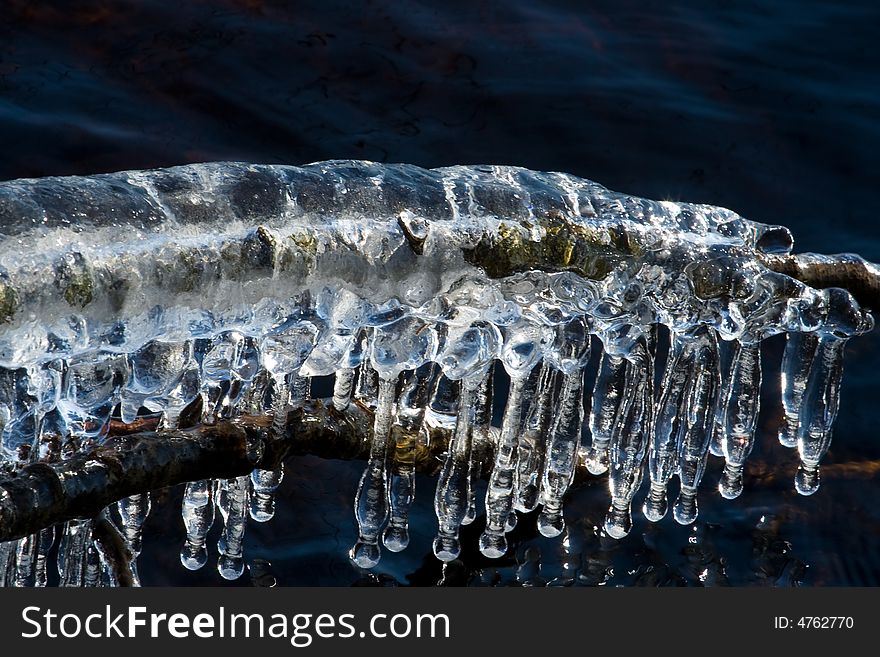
(769, 108)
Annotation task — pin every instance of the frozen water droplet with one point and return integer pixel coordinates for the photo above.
(264, 483)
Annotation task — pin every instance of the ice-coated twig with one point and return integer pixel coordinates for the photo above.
(246, 281)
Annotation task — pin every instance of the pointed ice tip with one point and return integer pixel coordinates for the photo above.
(365, 555)
(731, 484)
(550, 524)
(787, 435)
(396, 539)
(685, 510)
(597, 462)
(656, 506)
(618, 522)
(806, 481)
(493, 545)
(230, 568)
(262, 509)
(194, 558)
(447, 548)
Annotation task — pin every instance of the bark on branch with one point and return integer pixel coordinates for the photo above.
(847, 270)
(42, 494)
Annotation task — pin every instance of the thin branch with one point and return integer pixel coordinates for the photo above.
(847, 270)
(42, 494)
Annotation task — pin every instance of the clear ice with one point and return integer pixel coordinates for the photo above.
(236, 285)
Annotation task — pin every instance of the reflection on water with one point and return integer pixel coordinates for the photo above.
(768, 108)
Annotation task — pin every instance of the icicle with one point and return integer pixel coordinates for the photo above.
(291, 392)
(562, 450)
(410, 414)
(94, 570)
(230, 565)
(198, 516)
(72, 552)
(47, 539)
(371, 501)
(415, 395)
(25, 560)
(669, 423)
(479, 442)
(607, 394)
(367, 387)
(499, 502)
(264, 483)
(282, 354)
(183, 392)
(451, 500)
(342, 387)
(300, 391)
(133, 512)
(7, 562)
(629, 439)
(532, 446)
(93, 385)
(742, 402)
(401, 490)
(217, 372)
(253, 401)
(821, 401)
(800, 349)
(570, 354)
(153, 371)
(280, 401)
(442, 409)
(703, 382)
(521, 352)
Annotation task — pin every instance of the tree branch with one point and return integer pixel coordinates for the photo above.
(42, 494)
(847, 270)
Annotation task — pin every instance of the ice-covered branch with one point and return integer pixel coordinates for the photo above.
(229, 287)
(844, 270)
